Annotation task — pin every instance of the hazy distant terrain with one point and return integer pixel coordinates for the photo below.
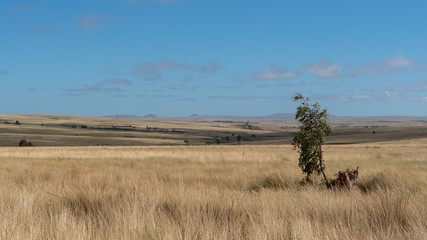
(66, 130)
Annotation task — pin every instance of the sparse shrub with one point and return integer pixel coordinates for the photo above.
(84, 126)
(239, 138)
(17, 123)
(25, 143)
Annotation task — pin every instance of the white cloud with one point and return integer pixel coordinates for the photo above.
(153, 70)
(324, 69)
(118, 81)
(176, 87)
(100, 87)
(94, 89)
(387, 66)
(362, 97)
(392, 95)
(163, 96)
(186, 99)
(245, 97)
(331, 97)
(369, 95)
(413, 86)
(273, 72)
(159, 1)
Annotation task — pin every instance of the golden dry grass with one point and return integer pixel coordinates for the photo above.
(210, 192)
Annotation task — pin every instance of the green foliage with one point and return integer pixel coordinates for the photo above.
(310, 138)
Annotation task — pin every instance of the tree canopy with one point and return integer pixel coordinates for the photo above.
(310, 138)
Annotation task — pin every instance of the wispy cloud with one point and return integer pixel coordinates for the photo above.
(163, 96)
(154, 70)
(40, 29)
(103, 86)
(30, 25)
(116, 81)
(323, 69)
(186, 99)
(387, 66)
(273, 72)
(16, 8)
(97, 21)
(94, 89)
(176, 87)
(3, 71)
(140, 95)
(370, 95)
(158, 1)
(414, 86)
(330, 97)
(245, 97)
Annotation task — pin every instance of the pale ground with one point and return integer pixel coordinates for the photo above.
(210, 192)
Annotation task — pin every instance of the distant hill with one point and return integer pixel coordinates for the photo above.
(122, 116)
(131, 116)
(281, 115)
(197, 116)
(276, 116)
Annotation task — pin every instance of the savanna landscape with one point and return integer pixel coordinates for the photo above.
(169, 178)
(213, 120)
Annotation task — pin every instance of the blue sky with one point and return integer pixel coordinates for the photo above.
(183, 57)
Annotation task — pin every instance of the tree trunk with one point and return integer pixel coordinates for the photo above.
(321, 168)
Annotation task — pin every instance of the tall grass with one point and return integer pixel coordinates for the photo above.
(218, 192)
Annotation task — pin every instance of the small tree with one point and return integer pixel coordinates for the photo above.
(25, 143)
(310, 138)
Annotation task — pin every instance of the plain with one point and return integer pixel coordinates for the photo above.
(210, 192)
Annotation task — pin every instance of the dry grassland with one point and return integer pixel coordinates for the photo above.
(210, 192)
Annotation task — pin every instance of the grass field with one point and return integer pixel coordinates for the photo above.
(210, 192)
